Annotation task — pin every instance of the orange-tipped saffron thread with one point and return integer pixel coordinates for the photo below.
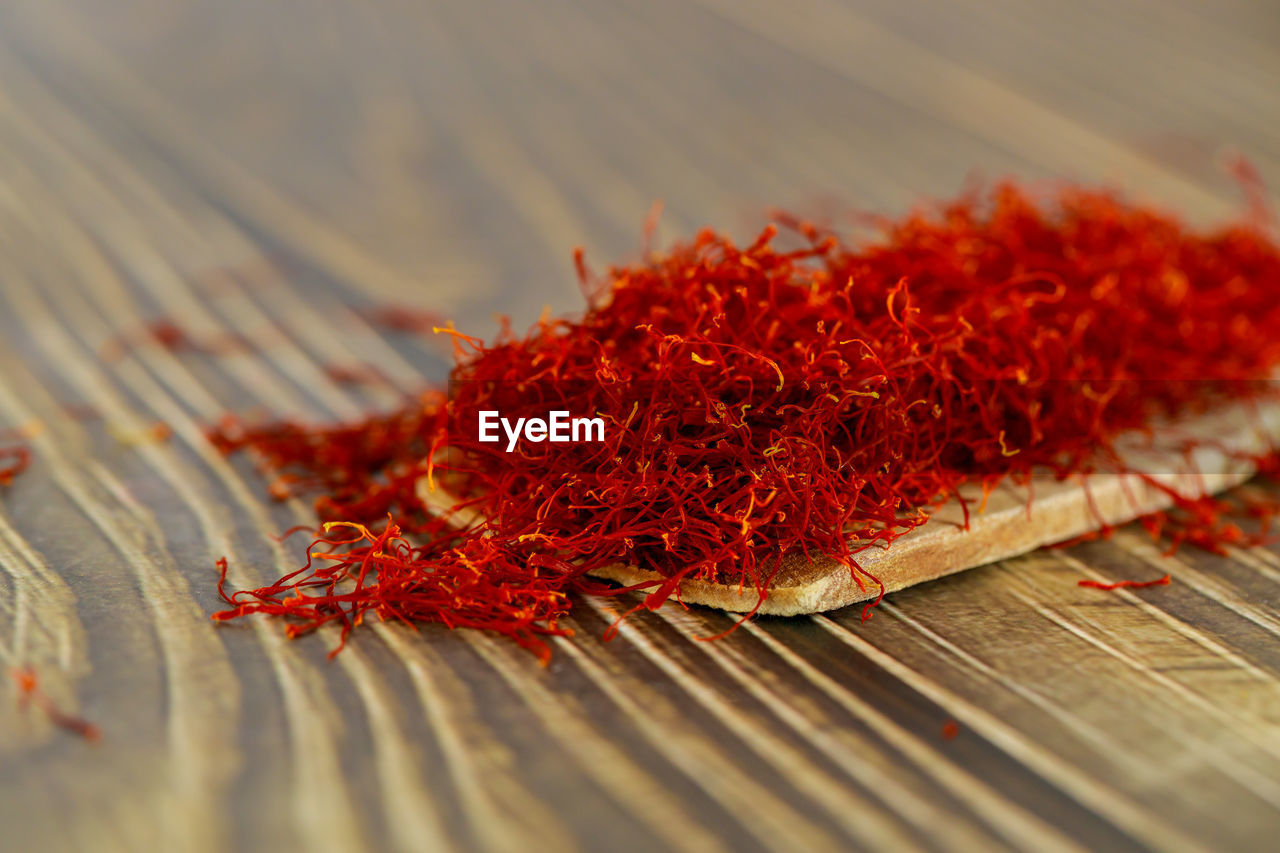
(29, 693)
(1092, 584)
(801, 395)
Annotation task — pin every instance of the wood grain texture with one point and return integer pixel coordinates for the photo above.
(266, 168)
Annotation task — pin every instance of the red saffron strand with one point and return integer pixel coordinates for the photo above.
(356, 374)
(29, 692)
(168, 334)
(402, 318)
(1092, 584)
(21, 457)
(796, 396)
(20, 454)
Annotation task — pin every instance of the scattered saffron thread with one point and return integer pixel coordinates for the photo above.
(356, 374)
(169, 335)
(1092, 584)
(950, 730)
(21, 460)
(30, 693)
(401, 318)
(800, 395)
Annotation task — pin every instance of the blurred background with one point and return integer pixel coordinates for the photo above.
(452, 154)
(264, 173)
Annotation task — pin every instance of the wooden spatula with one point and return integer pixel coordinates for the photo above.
(1220, 443)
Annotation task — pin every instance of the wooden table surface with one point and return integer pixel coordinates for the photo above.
(265, 167)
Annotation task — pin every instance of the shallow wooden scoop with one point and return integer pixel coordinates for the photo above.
(1011, 524)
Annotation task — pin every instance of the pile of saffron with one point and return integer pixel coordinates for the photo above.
(802, 393)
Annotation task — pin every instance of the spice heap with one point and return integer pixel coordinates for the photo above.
(796, 394)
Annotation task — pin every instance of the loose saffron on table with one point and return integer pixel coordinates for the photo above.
(169, 335)
(806, 393)
(357, 374)
(16, 458)
(30, 693)
(1126, 584)
(13, 461)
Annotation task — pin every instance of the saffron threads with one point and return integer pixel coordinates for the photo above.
(950, 730)
(169, 335)
(1092, 584)
(356, 374)
(387, 570)
(362, 471)
(402, 318)
(30, 693)
(799, 395)
(13, 461)
(16, 458)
